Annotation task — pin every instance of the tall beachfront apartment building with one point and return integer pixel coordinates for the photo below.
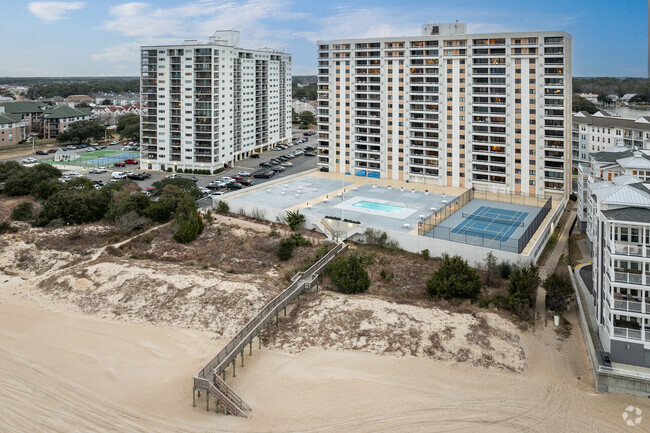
(490, 111)
(208, 104)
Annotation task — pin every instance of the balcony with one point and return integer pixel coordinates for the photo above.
(626, 249)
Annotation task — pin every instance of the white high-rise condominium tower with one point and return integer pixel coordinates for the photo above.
(208, 104)
(491, 111)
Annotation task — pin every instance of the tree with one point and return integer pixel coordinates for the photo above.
(74, 206)
(187, 219)
(490, 268)
(522, 289)
(558, 292)
(349, 274)
(182, 183)
(454, 279)
(82, 105)
(295, 118)
(106, 102)
(128, 126)
(130, 221)
(285, 249)
(81, 131)
(307, 118)
(581, 104)
(21, 180)
(295, 219)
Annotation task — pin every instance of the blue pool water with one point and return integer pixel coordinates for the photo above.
(378, 206)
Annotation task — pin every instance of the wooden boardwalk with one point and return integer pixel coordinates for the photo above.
(211, 378)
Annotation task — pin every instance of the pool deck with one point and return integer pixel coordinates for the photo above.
(350, 184)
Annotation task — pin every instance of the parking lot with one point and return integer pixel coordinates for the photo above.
(300, 164)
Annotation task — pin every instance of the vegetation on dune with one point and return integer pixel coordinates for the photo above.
(455, 279)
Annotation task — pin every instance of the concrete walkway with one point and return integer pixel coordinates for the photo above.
(549, 267)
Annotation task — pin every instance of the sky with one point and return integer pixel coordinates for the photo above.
(102, 37)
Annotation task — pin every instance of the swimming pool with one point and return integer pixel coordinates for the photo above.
(378, 206)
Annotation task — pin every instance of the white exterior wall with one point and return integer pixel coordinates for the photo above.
(233, 135)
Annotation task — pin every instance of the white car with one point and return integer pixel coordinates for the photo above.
(206, 190)
(65, 179)
(29, 161)
(97, 170)
(114, 142)
(287, 164)
(227, 180)
(243, 173)
(118, 175)
(216, 193)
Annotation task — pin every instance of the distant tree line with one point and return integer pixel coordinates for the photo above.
(83, 88)
(307, 92)
(604, 86)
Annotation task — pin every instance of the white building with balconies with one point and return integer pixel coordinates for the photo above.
(208, 104)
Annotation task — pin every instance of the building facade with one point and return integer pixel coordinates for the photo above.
(57, 119)
(593, 133)
(12, 128)
(449, 108)
(207, 105)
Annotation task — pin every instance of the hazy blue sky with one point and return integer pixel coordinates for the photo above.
(102, 37)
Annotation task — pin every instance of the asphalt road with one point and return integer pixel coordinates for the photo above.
(301, 163)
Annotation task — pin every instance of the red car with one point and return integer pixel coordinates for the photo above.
(130, 161)
(119, 164)
(236, 177)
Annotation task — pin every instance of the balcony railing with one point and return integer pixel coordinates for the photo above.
(625, 249)
(630, 334)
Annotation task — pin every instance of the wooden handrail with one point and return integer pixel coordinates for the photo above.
(231, 350)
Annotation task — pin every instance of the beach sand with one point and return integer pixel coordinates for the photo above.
(61, 371)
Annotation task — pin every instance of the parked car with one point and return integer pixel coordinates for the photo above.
(65, 179)
(235, 185)
(193, 178)
(101, 147)
(130, 161)
(255, 155)
(310, 147)
(216, 193)
(278, 168)
(287, 164)
(41, 152)
(246, 182)
(82, 146)
(51, 150)
(29, 160)
(90, 149)
(306, 134)
(216, 184)
(95, 171)
(118, 175)
(243, 173)
(262, 175)
(205, 190)
(135, 176)
(113, 143)
(71, 147)
(310, 154)
(227, 179)
(169, 176)
(236, 177)
(325, 169)
(264, 164)
(119, 164)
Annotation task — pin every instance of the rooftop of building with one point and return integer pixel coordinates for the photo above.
(220, 38)
(603, 119)
(629, 213)
(24, 107)
(8, 118)
(66, 112)
(635, 194)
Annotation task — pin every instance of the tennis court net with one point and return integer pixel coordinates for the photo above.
(493, 220)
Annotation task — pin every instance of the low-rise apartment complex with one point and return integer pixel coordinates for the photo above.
(449, 108)
(595, 132)
(57, 119)
(207, 104)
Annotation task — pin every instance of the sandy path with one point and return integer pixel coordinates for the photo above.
(61, 371)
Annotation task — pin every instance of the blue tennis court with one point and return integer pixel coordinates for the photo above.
(110, 159)
(491, 223)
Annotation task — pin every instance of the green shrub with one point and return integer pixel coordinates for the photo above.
(222, 207)
(23, 211)
(379, 239)
(169, 170)
(218, 170)
(425, 254)
(522, 289)
(387, 276)
(558, 292)
(573, 197)
(295, 219)
(349, 274)
(6, 227)
(454, 280)
(299, 240)
(285, 249)
(505, 268)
